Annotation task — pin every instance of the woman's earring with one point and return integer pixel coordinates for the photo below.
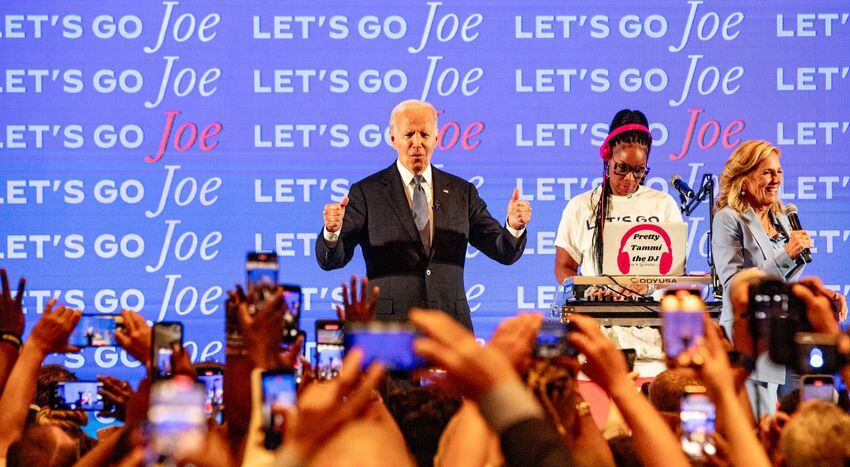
(743, 193)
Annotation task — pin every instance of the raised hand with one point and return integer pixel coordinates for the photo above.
(515, 338)
(135, 336)
(836, 299)
(115, 393)
(358, 309)
(471, 370)
(333, 214)
(51, 332)
(605, 363)
(263, 329)
(324, 408)
(519, 211)
(819, 307)
(11, 312)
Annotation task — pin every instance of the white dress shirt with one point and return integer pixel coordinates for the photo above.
(428, 185)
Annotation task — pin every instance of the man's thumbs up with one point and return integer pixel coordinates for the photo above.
(333, 214)
(519, 211)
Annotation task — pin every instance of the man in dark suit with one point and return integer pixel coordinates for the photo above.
(413, 223)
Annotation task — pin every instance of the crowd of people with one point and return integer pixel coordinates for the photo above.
(494, 404)
(717, 403)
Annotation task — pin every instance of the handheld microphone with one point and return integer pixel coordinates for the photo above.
(794, 220)
(681, 187)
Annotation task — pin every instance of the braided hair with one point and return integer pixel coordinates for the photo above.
(603, 205)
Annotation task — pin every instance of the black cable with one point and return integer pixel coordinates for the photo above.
(611, 278)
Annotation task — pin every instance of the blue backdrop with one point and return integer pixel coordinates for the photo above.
(147, 146)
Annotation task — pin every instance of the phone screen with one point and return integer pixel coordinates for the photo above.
(292, 297)
(697, 414)
(77, 395)
(279, 389)
(176, 419)
(214, 387)
(552, 341)
(165, 335)
(330, 332)
(261, 269)
(328, 361)
(96, 331)
(820, 387)
(388, 343)
(680, 330)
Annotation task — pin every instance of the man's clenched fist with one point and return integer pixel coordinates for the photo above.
(333, 214)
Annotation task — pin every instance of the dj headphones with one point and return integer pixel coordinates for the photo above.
(605, 149)
(624, 260)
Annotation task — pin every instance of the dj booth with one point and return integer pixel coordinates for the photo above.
(621, 310)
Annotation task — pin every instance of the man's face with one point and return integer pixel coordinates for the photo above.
(414, 137)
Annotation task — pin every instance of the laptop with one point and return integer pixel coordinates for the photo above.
(644, 249)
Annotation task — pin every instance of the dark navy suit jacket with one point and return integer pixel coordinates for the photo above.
(378, 219)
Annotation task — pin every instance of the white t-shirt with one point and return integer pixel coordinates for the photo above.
(575, 233)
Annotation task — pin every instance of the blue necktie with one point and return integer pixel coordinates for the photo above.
(420, 212)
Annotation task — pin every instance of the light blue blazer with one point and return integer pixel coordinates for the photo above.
(740, 242)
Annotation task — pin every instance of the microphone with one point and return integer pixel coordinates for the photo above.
(794, 220)
(436, 205)
(681, 187)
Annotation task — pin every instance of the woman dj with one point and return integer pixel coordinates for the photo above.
(621, 197)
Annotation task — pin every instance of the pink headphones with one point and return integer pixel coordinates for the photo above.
(605, 149)
(624, 260)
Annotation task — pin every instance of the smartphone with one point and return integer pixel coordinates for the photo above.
(817, 387)
(213, 380)
(552, 340)
(631, 355)
(76, 395)
(176, 423)
(330, 349)
(96, 330)
(279, 389)
(261, 269)
(816, 353)
(292, 318)
(776, 315)
(165, 335)
(330, 332)
(390, 343)
(287, 345)
(680, 330)
(697, 414)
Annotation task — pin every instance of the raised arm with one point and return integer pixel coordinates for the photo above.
(49, 335)
(654, 442)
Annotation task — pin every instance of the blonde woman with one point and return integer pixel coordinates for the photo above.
(751, 231)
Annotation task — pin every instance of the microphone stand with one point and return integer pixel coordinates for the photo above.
(706, 192)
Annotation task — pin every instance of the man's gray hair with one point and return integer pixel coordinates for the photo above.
(410, 104)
